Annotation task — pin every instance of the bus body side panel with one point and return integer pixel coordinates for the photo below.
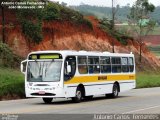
(70, 90)
(90, 89)
(125, 86)
(93, 86)
(98, 88)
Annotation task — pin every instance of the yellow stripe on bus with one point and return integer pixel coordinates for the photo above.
(100, 78)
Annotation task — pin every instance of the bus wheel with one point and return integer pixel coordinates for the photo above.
(78, 96)
(115, 91)
(47, 100)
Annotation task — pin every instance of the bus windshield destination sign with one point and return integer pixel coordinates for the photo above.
(45, 56)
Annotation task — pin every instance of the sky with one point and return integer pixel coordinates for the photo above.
(104, 2)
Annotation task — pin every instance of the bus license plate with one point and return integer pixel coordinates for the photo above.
(41, 92)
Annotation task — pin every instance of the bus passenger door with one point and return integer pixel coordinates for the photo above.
(69, 68)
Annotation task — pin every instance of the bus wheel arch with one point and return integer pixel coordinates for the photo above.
(79, 94)
(117, 85)
(115, 90)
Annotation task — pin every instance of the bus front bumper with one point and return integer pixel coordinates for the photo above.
(49, 93)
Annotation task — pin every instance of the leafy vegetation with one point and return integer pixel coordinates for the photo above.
(11, 80)
(32, 31)
(7, 57)
(11, 83)
(141, 25)
(31, 25)
(146, 80)
(51, 12)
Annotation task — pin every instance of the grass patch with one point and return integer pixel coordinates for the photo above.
(11, 83)
(146, 80)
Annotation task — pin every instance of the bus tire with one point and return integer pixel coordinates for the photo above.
(47, 100)
(78, 96)
(115, 91)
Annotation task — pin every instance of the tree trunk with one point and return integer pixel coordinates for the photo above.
(113, 15)
(112, 45)
(140, 53)
(3, 25)
(113, 23)
(140, 42)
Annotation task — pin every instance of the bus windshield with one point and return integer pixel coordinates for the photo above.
(46, 71)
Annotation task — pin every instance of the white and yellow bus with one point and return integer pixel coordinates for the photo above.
(77, 74)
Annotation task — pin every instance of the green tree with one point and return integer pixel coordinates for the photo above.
(140, 22)
(7, 57)
(51, 11)
(31, 22)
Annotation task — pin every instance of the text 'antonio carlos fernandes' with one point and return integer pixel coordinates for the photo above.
(126, 117)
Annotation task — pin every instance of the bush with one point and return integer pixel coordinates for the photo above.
(86, 22)
(32, 31)
(148, 79)
(11, 84)
(121, 38)
(7, 58)
(51, 12)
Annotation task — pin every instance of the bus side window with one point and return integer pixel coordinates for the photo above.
(105, 64)
(116, 65)
(70, 60)
(82, 65)
(125, 67)
(131, 64)
(93, 65)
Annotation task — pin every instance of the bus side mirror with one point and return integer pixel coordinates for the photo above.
(23, 66)
(68, 68)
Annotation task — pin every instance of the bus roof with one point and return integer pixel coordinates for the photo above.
(81, 53)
